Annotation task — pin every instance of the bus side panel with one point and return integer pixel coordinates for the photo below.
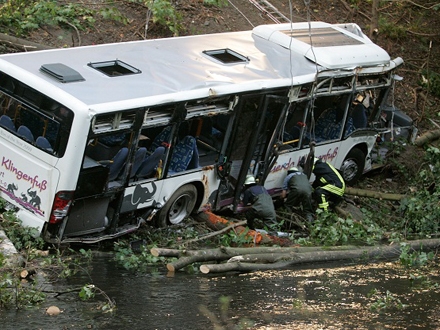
(274, 181)
(333, 153)
(149, 193)
(143, 195)
(25, 180)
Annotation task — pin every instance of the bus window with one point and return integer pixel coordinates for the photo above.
(329, 112)
(47, 128)
(295, 126)
(157, 141)
(210, 133)
(358, 112)
(107, 146)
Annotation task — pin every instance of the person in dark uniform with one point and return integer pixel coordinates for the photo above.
(297, 192)
(261, 204)
(329, 186)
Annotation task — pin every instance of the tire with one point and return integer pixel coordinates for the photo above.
(353, 166)
(178, 207)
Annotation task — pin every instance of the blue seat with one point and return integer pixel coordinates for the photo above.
(138, 159)
(117, 163)
(349, 127)
(43, 143)
(162, 137)
(150, 163)
(7, 122)
(328, 126)
(194, 162)
(25, 132)
(359, 115)
(182, 154)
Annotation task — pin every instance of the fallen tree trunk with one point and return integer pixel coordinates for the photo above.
(341, 212)
(242, 267)
(188, 257)
(27, 274)
(364, 253)
(21, 43)
(265, 257)
(427, 137)
(218, 223)
(373, 194)
(185, 261)
(232, 251)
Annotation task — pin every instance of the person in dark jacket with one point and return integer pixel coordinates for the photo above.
(297, 192)
(261, 204)
(329, 186)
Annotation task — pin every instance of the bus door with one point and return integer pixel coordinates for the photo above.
(250, 149)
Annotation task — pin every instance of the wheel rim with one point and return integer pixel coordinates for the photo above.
(349, 169)
(179, 210)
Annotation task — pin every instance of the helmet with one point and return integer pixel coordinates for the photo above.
(315, 160)
(249, 180)
(293, 169)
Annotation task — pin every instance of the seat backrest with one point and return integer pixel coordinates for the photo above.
(182, 154)
(25, 132)
(359, 115)
(117, 163)
(150, 163)
(327, 127)
(163, 136)
(43, 143)
(138, 159)
(349, 127)
(7, 122)
(194, 162)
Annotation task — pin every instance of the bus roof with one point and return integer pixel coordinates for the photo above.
(158, 71)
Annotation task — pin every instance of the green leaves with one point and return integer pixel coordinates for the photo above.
(329, 229)
(218, 3)
(414, 259)
(420, 211)
(385, 301)
(130, 260)
(233, 238)
(21, 237)
(20, 17)
(87, 292)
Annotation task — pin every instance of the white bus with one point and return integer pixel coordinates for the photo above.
(96, 140)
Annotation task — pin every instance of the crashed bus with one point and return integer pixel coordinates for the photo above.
(96, 140)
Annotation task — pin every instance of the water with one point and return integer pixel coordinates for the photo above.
(324, 297)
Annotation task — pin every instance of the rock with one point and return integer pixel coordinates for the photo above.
(12, 257)
(53, 311)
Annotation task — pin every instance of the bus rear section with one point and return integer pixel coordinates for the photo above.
(34, 131)
(28, 187)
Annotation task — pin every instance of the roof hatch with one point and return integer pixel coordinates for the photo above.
(114, 68)
(226, 56)
(61, 72)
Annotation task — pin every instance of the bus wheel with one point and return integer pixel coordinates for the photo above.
(353, 166)
(178, 207)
